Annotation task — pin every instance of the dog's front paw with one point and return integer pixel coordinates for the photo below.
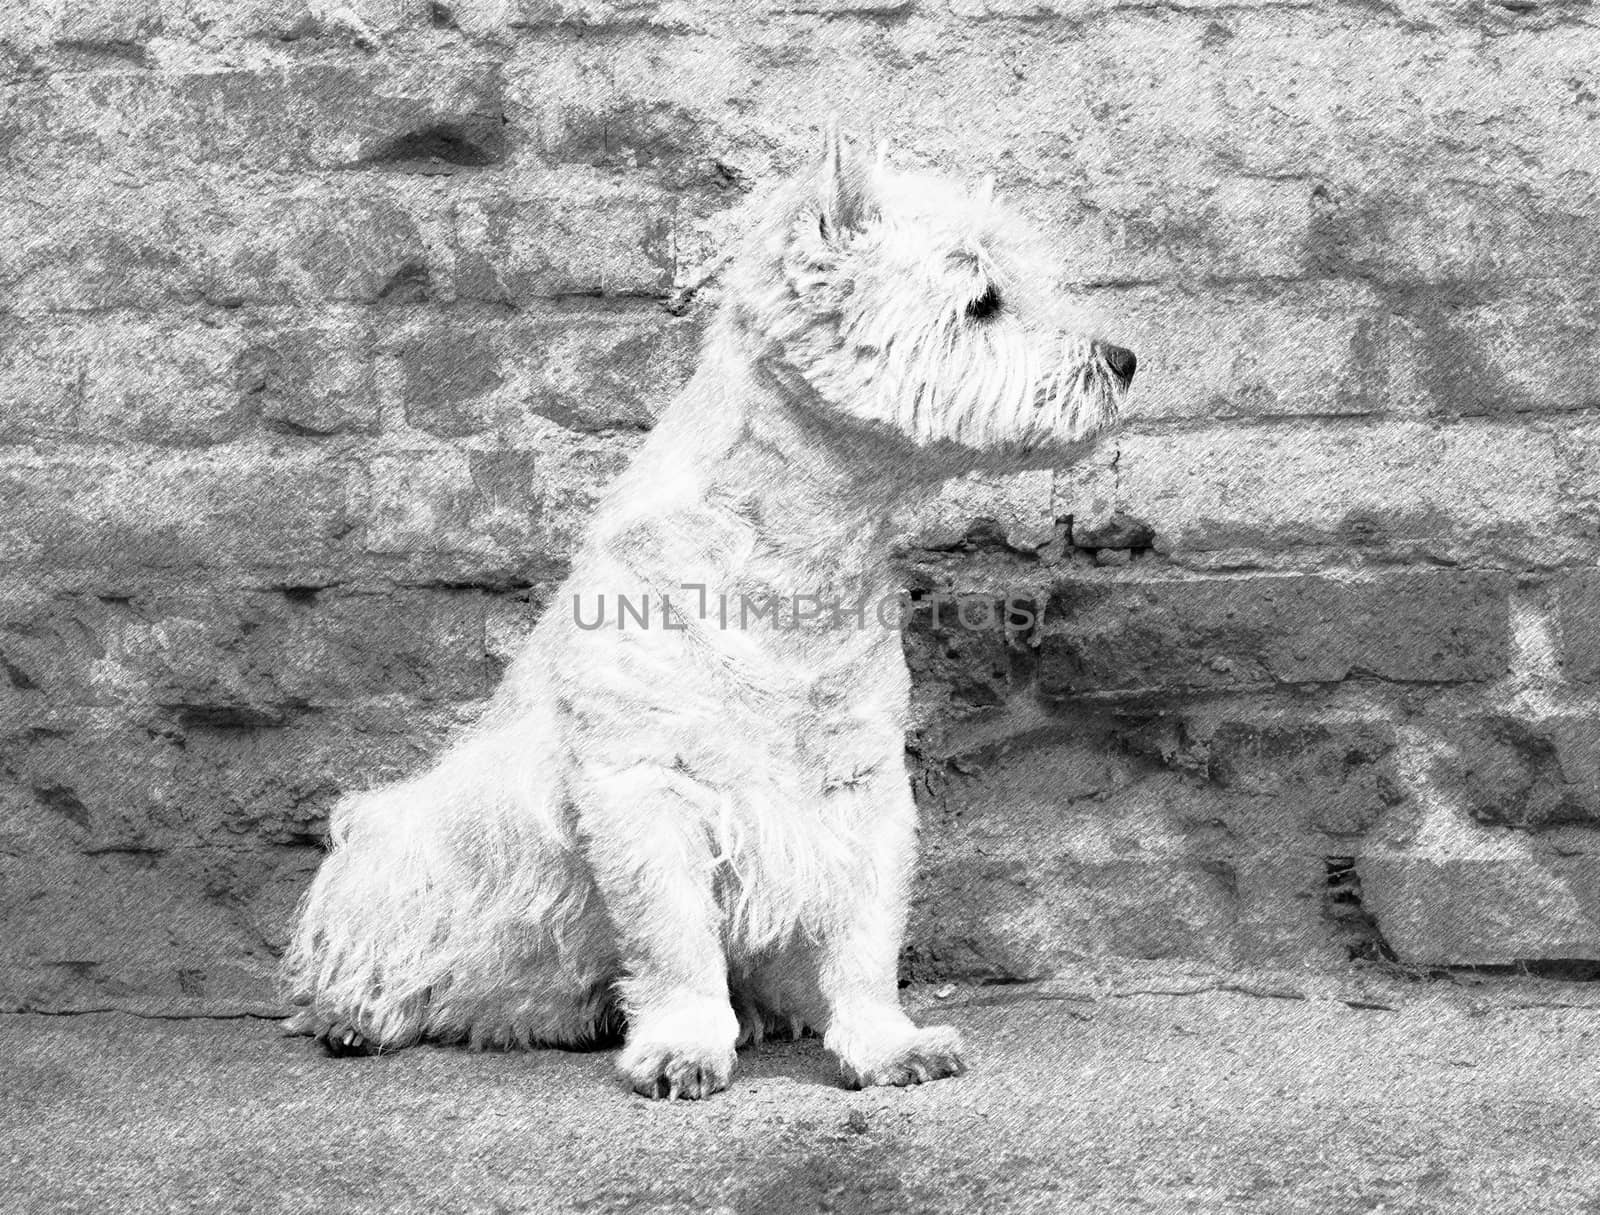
(690, 1070)
(926, 1054)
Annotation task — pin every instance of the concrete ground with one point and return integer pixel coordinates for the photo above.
(1152, 1091)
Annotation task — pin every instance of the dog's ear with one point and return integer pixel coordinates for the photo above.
(844, 190)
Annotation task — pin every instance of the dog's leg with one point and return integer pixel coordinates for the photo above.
(653, 863)
(857, 966)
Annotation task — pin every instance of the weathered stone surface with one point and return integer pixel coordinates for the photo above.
(1171, 635)
(1471, 896)
(490, 517)
(132, 900)
(467, 374)
(445, 370)
(312, 115)
(311, 381)
(595, 242)
(82, 254)
(1244, 351)
(1073, 839)
(108, 23)
(117, 379)
(675, 140)
(129, 931)
(1366, 485)
(359, 249)
(1451, 232)
(1120, 531)
(1018, 507)
(1533, 773)
(579, 14)
(1577, 602)
(224, 509)
(1522, 349)
(1333, 776)
(125, 777)
(346, 241)
(1237, 229)
(1045, 850)
(880, 8)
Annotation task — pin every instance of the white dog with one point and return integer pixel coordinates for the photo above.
(696, 817)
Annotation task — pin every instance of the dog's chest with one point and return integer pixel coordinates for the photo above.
(817, 717)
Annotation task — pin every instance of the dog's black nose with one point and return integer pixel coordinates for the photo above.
(1121, 361)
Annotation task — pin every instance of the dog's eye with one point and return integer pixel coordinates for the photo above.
(985, 306)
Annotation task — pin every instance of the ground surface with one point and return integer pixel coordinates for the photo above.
(1236, 1095)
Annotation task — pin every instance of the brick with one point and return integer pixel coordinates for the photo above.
(89, 252)
(167, 380)
(1119, 531)
(1050, 842)
(266, 658)
(1577, 612)
(359, 249)
(510, 250)
(116, 378)
(1077, 9)
(279, 20)
(327, 116)
(1019, 506)
(1333, 776)
(1242, 632)
(986, 920)
(445, 370)
(961, 669)
(492, 517)
(1532, 773)
(128, 931)
(1473, 896)
(171, 885)
(111, 250)
(1247, 352)
(138, 511)
(1415, 124)
(672, 137)
(585, 372)
(245, 659)
(308, 381)
(348, 242)
(150, 781)
(381, 16)
(1452, 232)
(1236, 229)
(1524, 350)
(1392, 483)
(363, 23)
(599, 377)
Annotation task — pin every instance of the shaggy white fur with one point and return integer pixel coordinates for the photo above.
(702, 826)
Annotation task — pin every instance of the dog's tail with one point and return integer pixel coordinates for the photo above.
(454, 906)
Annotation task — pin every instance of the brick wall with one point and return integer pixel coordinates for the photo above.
(322, 325)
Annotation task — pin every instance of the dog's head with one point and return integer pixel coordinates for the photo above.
(912, 304)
